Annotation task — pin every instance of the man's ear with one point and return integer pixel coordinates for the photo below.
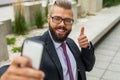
(48, 18)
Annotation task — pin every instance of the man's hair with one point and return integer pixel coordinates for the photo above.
(65, 4)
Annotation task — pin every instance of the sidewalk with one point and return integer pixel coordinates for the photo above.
(107, 52)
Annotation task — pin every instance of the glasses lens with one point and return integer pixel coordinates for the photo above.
(68, 21)
(56, 19)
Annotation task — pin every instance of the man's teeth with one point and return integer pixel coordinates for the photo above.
(61, 30)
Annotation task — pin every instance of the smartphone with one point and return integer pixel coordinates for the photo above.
(33, 50)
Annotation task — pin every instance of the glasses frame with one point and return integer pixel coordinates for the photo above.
(61, 19)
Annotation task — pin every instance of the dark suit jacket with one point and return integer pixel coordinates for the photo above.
(51, 65)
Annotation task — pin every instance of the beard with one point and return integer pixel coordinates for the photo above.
(57, 37)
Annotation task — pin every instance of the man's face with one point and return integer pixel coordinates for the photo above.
(60, 23)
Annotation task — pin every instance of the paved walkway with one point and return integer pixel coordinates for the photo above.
(107, 66)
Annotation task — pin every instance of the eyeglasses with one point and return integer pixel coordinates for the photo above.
(58, 20)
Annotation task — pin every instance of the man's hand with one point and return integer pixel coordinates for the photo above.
(82, 39)
(20, 69)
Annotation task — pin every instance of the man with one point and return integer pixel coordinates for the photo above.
(55, 64)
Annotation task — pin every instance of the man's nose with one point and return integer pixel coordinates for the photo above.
(62, 23)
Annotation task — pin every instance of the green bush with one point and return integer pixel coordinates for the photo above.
(16, 49)
(109, 3)
(76, 1)
(39, 19)
(19, 25)
(11, 40)
(116, 2)
(46, 14)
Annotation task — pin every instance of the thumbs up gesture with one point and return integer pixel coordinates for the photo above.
(82, 39)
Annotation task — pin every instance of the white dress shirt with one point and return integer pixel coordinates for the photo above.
(62, 59)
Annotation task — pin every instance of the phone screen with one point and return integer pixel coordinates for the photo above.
(33, 50)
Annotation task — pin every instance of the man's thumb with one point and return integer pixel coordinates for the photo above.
(82, 31)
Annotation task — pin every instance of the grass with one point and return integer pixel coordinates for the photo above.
(11, 40)
(16, 49)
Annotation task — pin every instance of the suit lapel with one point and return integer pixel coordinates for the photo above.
(52, 53)
(73, 50)
(76, 53)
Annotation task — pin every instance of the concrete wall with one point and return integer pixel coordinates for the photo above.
(74, 8)
(7, 25)
(90, 6)
(29, 9)
(5, 2)
(3, 45)
(83, 7)
(95, 5)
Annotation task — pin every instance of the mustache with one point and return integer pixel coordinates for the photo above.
(61, 27)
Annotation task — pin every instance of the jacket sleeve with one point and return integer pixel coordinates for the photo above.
(3, 69)
(88, 57)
